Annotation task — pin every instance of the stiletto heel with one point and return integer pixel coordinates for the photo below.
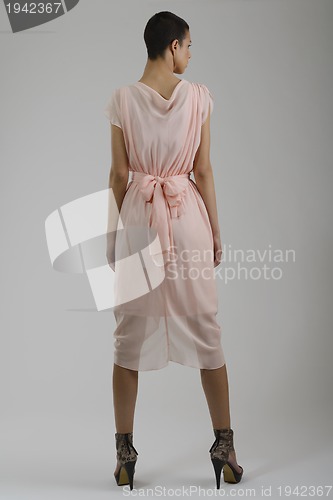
(218, 464)
(219, 452)
(126, 457)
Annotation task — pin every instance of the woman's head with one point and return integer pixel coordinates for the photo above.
(167, 32)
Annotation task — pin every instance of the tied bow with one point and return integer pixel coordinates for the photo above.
(166, 195)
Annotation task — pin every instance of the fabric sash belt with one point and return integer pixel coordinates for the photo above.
(166, 196)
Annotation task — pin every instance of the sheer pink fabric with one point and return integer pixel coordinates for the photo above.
(165, 289)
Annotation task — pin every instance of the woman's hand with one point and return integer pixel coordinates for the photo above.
(217, 249)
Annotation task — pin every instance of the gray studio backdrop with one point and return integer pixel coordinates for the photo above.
(268, 65)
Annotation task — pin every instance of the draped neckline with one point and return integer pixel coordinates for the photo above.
(155, 91)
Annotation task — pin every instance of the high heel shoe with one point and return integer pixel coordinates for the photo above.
(219, 452)
(126, 457)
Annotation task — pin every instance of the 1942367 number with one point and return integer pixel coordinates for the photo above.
(302, 490)
(33, 8)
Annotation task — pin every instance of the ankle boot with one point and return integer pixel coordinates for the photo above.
(126, 457)
(219, 452)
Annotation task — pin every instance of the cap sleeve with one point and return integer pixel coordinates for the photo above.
(207, 101)
(112, 110)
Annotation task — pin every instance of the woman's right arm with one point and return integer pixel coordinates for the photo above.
(204, 179)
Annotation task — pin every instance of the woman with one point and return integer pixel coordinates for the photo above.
(161, 133)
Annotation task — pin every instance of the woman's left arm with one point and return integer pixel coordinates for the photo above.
(118, 179)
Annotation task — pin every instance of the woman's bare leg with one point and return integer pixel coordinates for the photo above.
(125, 390)
(216, 389)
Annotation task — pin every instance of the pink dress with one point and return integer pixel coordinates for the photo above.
(165, 288)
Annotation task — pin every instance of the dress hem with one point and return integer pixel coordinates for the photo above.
(170, 361)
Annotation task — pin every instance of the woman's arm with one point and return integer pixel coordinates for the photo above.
(204, 179)
(119, 171)
(118, 179)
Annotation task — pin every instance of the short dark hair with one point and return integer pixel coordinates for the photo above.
(161, 29)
